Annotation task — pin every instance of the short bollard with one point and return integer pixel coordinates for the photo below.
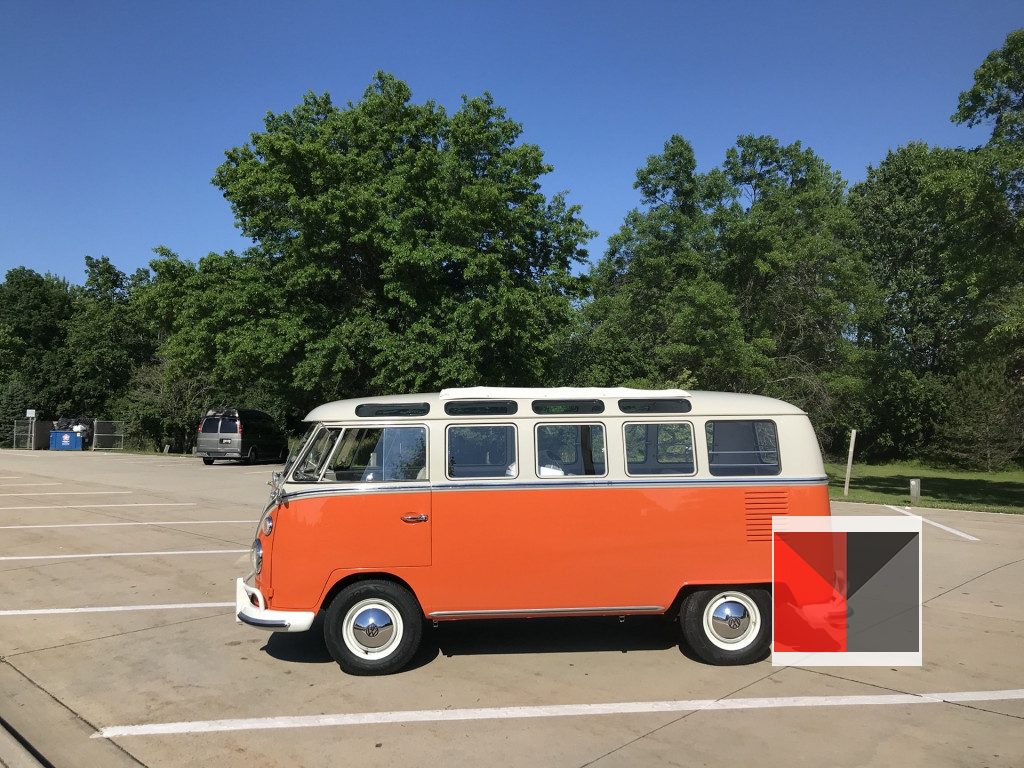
(915, 491)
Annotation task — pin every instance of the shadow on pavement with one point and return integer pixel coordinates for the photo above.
(504, 636)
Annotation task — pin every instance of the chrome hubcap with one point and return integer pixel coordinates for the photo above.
(730, 620)
(373, 628)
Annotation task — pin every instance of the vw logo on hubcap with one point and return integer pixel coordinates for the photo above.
(373, 628)
(730, 620)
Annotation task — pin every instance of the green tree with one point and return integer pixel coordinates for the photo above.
(230, 331)
(409, 249)
(996, 98)
(36, 310)
(939, 236)
(997, 94)
(105, 341)
(982, 421)
(162, 404)
(742, 278)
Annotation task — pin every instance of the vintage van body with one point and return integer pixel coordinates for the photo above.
(510, 502)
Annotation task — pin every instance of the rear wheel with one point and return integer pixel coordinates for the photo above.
(251, 457)
(207, 460)
(373, 627)
(728, 626)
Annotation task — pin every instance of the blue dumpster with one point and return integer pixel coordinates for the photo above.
(65, 440)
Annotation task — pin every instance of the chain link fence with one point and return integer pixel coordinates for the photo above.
(30, 434)
(107, 435)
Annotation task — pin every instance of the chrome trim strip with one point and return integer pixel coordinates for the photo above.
(681, 482)
(613, 610)
(330, 489)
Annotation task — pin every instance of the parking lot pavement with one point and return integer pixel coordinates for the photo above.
(100, 652)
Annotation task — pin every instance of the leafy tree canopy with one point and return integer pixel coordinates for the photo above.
(413, 248)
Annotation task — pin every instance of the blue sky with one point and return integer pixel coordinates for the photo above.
(115, 115)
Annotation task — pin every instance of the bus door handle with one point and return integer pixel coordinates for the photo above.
(414, 518)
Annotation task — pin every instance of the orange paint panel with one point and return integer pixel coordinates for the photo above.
(315, 536)
(531, 548)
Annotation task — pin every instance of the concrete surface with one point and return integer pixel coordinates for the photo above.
(65, 677)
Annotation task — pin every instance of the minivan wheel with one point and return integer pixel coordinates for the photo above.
(251, 456)
(207, 460)
(373, 627)
(728, 626)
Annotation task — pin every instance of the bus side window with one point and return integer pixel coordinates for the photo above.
(743, 448)
(659, 449)
(379, 455)
(570, 449)
(485, 451)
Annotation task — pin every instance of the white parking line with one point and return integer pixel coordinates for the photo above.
(161, 459)
(65, 493)
(112, 609)
(906, 511)
(555, 710)
(105, 525)
(23, 485)
(10, 477)
(126, 554)
(108, 506)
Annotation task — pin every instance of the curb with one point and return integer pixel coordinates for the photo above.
(14, 754)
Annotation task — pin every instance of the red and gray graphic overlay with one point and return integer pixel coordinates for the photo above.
(846, 591)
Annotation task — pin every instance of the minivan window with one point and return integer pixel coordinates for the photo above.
(228, 426)
(570, 449)
(308, 469)
(482, 451)
(743, 448)
(211, 425)
(379, 454)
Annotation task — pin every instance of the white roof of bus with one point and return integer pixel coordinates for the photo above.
(703, 403)
(553, 393)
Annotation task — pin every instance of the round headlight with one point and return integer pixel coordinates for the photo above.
(268, 524)
(256, 555)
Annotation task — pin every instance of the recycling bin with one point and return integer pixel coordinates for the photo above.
(65, 440)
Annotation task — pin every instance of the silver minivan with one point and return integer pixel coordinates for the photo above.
(242, 434)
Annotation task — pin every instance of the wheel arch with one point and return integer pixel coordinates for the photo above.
(688, 589)
(355, 578)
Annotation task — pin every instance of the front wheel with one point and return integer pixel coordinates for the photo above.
(373, 628)
(728, 626)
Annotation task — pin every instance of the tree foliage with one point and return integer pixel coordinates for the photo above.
(742, 278)
(401, 247)
(413, 249)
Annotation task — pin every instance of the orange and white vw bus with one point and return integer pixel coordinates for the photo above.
(508, 502)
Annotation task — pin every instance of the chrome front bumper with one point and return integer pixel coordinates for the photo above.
(258, 615)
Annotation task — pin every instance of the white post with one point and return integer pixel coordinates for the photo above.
(915, 492)
(849, 463)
